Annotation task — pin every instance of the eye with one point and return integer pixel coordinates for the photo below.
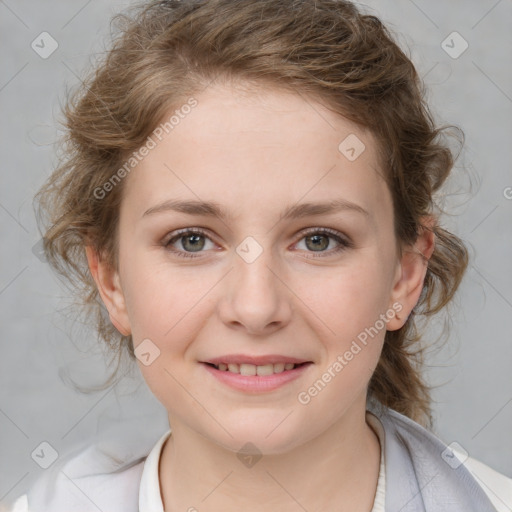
(188, 241)
(319, 240)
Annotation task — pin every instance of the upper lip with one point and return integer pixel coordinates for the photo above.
(255, 360)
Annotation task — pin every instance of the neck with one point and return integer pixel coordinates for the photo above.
(336, 471)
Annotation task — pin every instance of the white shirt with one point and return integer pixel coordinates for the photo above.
(89, 482)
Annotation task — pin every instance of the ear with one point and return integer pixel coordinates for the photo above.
(109, 288)
(411, 272)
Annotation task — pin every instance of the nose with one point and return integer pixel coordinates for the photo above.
(255, 297)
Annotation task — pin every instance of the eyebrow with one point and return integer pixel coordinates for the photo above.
(212, 209)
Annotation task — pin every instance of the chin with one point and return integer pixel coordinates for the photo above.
(270, 432)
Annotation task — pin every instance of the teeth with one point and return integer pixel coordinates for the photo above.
(234, 368)
(251, 369)
(279, 367)
(267, 369)
(247, 369)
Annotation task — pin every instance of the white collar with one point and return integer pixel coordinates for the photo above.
(150, 497)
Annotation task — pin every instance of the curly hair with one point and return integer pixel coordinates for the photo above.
(166, 51)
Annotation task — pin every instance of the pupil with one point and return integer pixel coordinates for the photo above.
(316, 239)
(195, 246)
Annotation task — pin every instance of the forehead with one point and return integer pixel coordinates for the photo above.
(258, 147)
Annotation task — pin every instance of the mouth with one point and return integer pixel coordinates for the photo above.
(248, 369)
(256, 374)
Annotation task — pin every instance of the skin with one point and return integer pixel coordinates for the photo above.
(255, 153)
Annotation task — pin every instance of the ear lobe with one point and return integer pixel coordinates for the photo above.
(109, 287)
(411, 273)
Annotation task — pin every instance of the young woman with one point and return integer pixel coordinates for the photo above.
(249, 188)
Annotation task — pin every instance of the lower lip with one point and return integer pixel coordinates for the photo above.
(256, 383)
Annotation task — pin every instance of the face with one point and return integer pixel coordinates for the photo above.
(255, 235)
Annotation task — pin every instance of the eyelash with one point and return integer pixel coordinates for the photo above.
(343, 242)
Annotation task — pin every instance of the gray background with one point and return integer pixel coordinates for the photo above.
(41, 348)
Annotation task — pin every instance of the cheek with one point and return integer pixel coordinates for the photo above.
(169, 308)
(349, 299)
(157, 296)
(351, 306)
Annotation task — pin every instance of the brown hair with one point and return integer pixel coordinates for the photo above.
(167, 51)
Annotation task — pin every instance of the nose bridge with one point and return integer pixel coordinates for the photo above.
(253, 262)
(256, 298)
